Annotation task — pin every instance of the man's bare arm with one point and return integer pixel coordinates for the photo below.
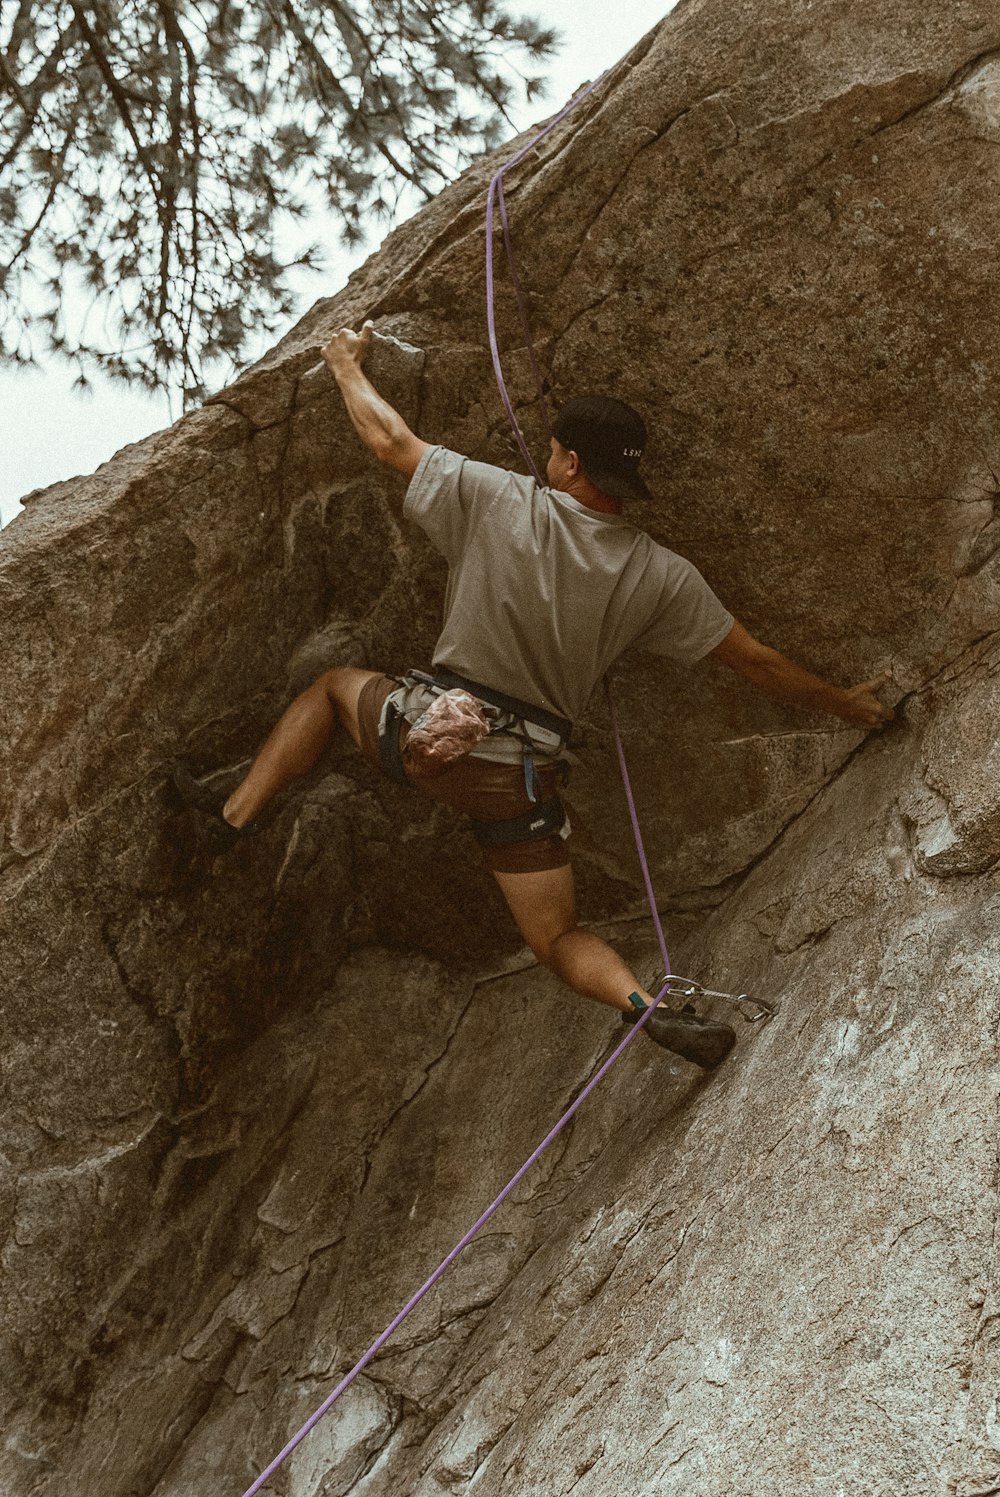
(381, 428)
(782, 678)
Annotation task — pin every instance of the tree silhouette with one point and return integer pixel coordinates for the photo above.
(150, 150)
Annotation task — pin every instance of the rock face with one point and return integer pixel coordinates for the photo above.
(249, 1103)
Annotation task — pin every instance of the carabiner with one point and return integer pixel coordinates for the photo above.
(753, 1010)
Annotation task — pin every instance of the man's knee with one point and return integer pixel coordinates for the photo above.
(342, 686)
(544, 945)
(544, 906)
(334, 681)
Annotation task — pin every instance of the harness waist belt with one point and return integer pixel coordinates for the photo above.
(389, 751)
(527, 711)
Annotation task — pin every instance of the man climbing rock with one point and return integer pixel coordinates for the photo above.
(547, 586)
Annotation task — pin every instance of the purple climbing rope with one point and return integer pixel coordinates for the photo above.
(446, 1263)
(496, 192)
(637, 834)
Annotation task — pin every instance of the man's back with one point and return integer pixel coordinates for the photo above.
(544, 592)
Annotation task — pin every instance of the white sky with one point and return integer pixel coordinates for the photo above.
(49, 432)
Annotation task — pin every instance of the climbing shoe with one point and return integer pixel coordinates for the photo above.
(207, 805)
(703, 1041)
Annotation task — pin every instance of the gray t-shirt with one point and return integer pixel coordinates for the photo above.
(543, 593)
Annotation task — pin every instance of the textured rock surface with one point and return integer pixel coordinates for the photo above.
(247, 1104)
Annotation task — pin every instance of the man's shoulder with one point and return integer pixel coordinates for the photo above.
(445, 462)
(662, 555)
(451, 495)
(443, 471)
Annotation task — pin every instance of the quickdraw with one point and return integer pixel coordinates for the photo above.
(675, 986)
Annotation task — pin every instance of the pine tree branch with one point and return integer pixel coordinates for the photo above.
(38, 86)
(404, 171)
(174, 144)
(330, 78)
(55, 183)
(14, 85)
(194, 124)
(355, 39)
(308, 45)
(208, 111)
(120, 98)
(18, 30)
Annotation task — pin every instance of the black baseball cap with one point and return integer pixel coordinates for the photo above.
(608, 436)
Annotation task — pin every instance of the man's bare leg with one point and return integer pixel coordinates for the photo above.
(298, 740)
(544, 906)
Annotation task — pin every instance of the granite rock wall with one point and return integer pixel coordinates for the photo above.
(248, 1103)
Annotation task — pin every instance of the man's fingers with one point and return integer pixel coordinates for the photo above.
(346, 346)
(869, 688)
(877, 713)
(868, 711)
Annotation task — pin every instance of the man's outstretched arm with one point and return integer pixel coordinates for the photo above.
(381, 428)
(782, 678)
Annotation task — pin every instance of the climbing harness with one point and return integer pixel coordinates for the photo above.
(524, 713)
(540, 733)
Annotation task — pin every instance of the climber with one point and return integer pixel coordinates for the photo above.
(547, 586)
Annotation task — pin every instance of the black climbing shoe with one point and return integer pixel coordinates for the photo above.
(702, 1041)
(207, 805)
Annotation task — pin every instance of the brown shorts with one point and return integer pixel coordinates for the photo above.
(480, 788)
